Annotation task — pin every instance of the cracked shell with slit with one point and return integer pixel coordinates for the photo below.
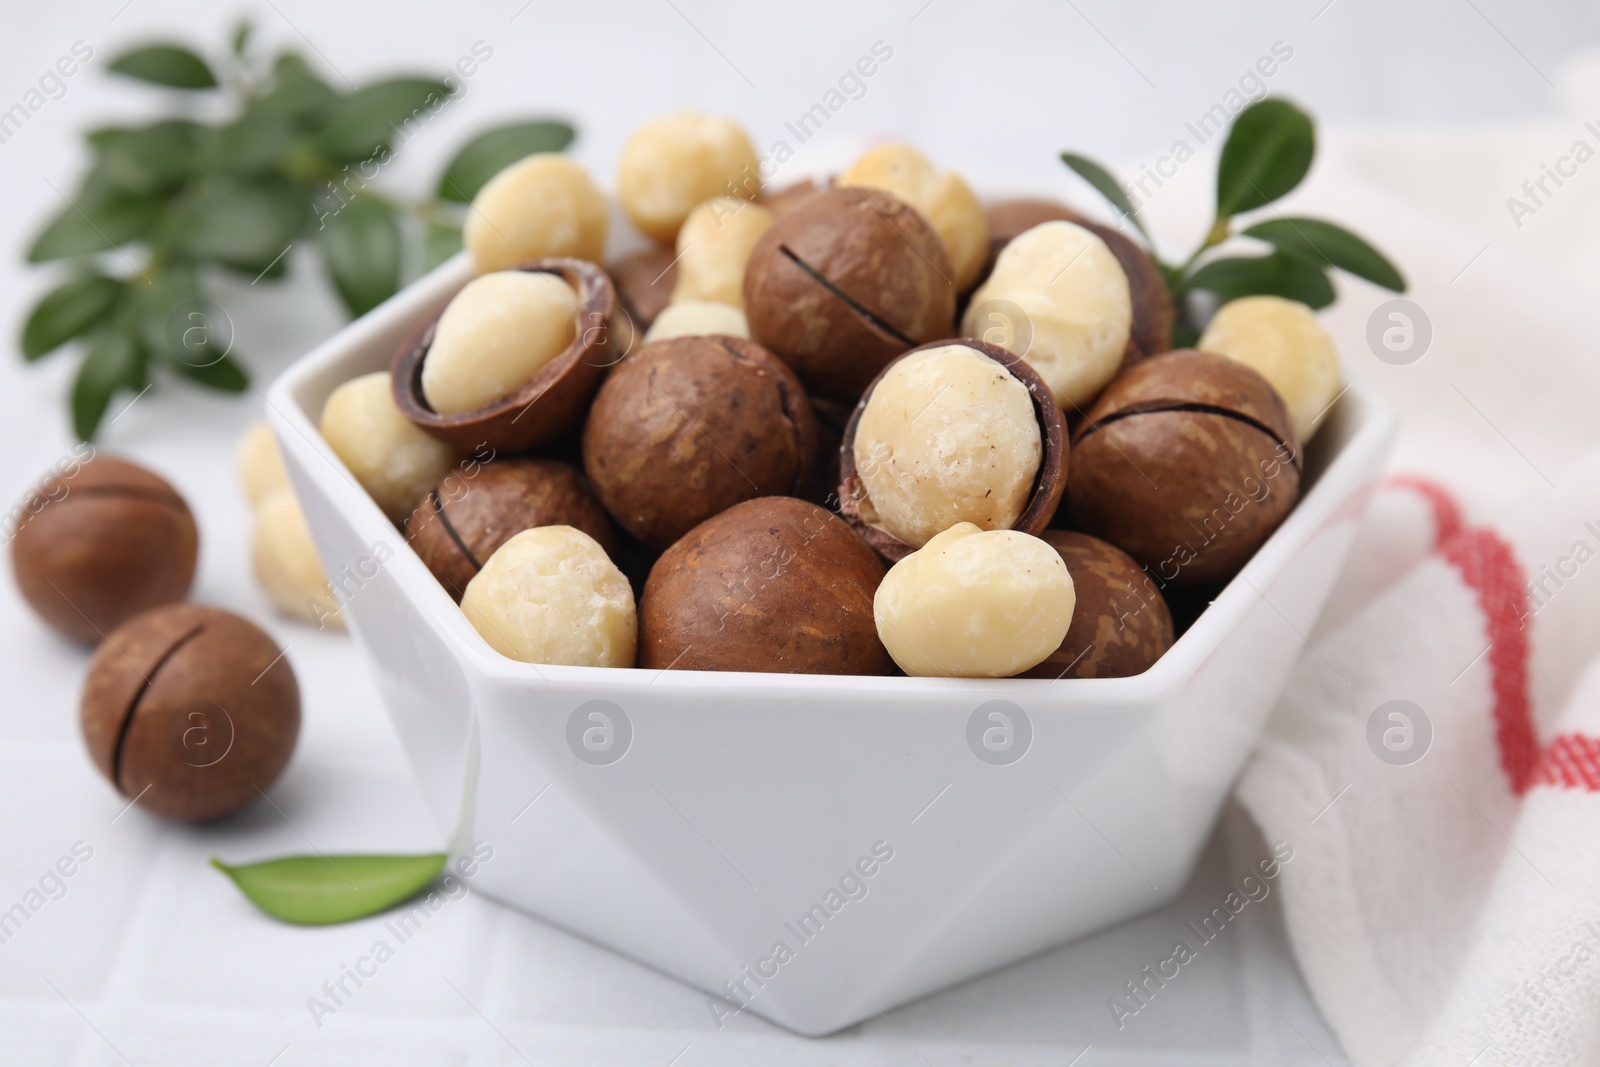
(843, 283)
(190, 711)
(465, 518)
(688, 427)
(1187, 462)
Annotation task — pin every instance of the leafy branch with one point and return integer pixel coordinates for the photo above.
(165, 207)
(1267, 154)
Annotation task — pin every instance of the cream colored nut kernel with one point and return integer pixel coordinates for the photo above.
(714, 246)
(942, 198)
(395, 462)
(257, 465)
(544, 205)
(286, 565)
(696, 317)
(973, 603)
(1283, 341)
(672, 163)
(1075, 296)
(494, 336)
(947, 436)
(551, 595)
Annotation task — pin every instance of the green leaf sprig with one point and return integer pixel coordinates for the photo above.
(321, 890)
(1267, 154)
(165, 206)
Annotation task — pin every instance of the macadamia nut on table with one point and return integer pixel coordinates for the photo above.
(714, 246)
(257, 464)
(544, 206)
(975, 603)
(673, 163)
(494, 336)
(1077, 304)
(1283, 341)
(942, 198)
(392, 459)
(947, 436)
(285, 563)
(551, 595)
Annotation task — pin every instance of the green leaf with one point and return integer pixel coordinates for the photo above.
(166, 64)
(94, 224)
(241, 36)
(255, 142)
(242, 225)
(361, 246)
(1105, 184)
(1277, 274)
(296, 93)
(360, 124)
(1325, 243)
(320, 890)
(116, 360)
(440, 244)
(493, 150)
(147, 161)
(68, 311)
(225, 374)
(1268, 152)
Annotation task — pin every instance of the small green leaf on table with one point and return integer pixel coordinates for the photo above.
(494, 150)
(171, 65)
(321, 890)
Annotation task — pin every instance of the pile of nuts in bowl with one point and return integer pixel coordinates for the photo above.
(841, 428)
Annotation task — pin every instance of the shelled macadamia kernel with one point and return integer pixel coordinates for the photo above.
(257, 464)
(544, 206)
(1075, 297)
(394, 460)
(551, 595)
(1283, 342)
(494, 336)
(947, 436)
(284, 561)
(696, 318)
(975, 603)
(677, 161)
(714, 246)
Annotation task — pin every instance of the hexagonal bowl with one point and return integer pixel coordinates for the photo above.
(815, 849)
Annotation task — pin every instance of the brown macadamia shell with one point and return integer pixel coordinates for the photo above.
(1187, 462)
(687, 427)
(464, 519)
(99, 545)
(774, 584)
(1120, 623)
(644, 280)
(843, 283)
(190, 711)
(549, 405)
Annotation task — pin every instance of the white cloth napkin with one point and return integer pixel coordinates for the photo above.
(1444, 902)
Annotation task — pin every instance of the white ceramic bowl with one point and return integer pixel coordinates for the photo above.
(719, 815)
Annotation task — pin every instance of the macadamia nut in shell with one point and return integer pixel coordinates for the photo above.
(494, 335)
(975, 603)
(675, 162)
(394, 461)
(942, 197)
(541, 207)
(1076, 298)
(551, 595)
(1283, 341)
(947, 436)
